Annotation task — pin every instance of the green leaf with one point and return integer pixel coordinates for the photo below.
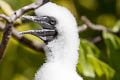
(112, 43)
(89, 64)
(20, 77)
(6, 7)
(116, 28)
(84, 66)
(16, 4)
(101, 68)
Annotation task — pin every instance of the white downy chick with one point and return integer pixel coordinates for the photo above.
(62, 52)
(62, 49)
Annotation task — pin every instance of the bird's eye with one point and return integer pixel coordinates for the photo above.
(52, 22)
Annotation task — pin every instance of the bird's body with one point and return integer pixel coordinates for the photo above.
(62, 51)
(56, 71)
(61, 61)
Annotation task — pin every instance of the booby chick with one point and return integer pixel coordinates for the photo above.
(60, 34)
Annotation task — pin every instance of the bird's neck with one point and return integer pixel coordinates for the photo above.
(63, 50)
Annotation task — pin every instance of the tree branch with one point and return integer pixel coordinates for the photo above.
(96, 39)
(82, 28)
(95, 27)
(6, 36)
(89, 24)
(27, 8)
(4, 17)
(9, 24)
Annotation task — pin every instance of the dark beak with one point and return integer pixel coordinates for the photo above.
(48, 31)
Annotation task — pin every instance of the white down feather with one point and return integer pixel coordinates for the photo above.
(62, 52)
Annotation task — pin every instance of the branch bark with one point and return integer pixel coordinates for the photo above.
(96, 27)
(10, 20)
(4, 17)
(89, 24)
(6, 36)
(82, 28)
(27, 8)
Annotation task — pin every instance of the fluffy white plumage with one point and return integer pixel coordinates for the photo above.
(62, 52)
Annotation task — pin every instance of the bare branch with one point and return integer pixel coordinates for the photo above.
(9, 24)
(27, 8)
(5, 39)
(96, 27)
(82, 28)
(96, 40)
(4, 17)
(93, 26)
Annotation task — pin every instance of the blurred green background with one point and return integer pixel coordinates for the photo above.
(99, 61)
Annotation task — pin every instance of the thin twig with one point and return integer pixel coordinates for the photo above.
(82, 28)
(96, 40)
(4, 17)
(10, 20)
(95, 27)
(92, 26)
(27, 8)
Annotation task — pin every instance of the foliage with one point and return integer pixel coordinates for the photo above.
(90, 65)
(96, 61)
